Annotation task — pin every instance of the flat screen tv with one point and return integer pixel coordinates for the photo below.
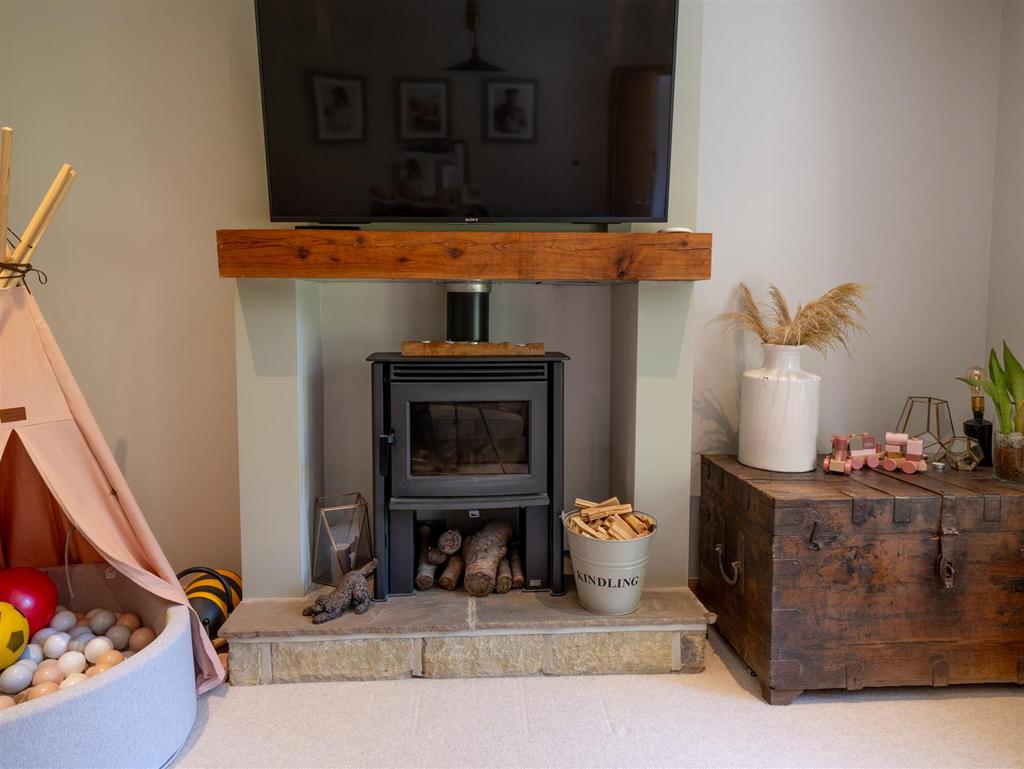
(455, 111)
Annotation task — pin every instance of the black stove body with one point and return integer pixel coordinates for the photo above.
(459, 441)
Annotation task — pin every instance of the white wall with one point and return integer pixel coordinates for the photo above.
(156, 105)
(1006, 274)
(849, 141)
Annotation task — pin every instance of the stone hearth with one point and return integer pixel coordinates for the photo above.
(441, 634)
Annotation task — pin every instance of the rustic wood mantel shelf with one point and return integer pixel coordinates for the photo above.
(585, 257)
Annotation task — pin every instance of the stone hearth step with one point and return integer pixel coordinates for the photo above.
(441, 634)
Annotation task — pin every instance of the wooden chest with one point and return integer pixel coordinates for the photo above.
(824, 581)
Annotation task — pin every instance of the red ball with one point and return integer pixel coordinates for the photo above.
(32, 593)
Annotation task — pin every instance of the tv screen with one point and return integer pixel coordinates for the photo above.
(447, 110)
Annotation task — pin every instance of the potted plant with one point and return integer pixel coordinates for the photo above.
(779, 401)
(1005, 386)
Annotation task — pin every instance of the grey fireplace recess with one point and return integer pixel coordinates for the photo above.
(460, 440)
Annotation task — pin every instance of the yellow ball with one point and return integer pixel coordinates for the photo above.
(13, 634)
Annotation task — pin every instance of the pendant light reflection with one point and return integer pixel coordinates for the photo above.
(475, 63)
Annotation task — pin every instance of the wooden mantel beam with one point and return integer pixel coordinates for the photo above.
(610, 257)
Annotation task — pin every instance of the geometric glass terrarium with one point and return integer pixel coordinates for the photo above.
(963, 453)
(930, 420)
(343, 538)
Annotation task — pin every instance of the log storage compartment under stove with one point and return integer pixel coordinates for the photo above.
(461, 441)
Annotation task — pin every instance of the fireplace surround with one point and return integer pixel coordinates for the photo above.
(458, 441)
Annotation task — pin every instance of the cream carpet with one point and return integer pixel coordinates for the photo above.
(712, 719)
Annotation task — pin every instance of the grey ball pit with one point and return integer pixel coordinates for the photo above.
(137, 714)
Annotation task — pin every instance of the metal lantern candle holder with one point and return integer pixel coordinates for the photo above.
(343, 536)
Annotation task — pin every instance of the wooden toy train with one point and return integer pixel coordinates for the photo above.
(853, 452)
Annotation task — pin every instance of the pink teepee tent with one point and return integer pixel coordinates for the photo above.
(42, 409)
(55, 462)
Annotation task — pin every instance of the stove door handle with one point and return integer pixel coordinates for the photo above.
(384, 452)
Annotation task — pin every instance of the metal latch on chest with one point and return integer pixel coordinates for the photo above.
(948, 533)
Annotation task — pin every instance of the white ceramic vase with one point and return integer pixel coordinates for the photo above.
(779, 413)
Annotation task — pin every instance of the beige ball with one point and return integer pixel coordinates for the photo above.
(95, 670)
(97, 647)
(140, 639)
(130, 621)
(41, 690)
(6, 702)
(110, 658)
(71, 680)
(49, 674)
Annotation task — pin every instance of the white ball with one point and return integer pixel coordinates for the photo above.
(15, 679)
(71, 680)
(78, 644)
(60, 607)
(101, 621)
(119, 635)
(30, 664)
(42, 634)
(96, 647)
(56, 645)
(33, 652)
(63, 621)
(79, 630)
(71, 662)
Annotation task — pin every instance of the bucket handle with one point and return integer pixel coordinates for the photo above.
(737, 566)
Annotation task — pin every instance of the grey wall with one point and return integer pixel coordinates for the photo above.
(1006, 275)
(850, 141)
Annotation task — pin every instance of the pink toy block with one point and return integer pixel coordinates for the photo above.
(915, 449)
(896, 439)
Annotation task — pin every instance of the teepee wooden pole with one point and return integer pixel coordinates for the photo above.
(6, 146)
(41, 219)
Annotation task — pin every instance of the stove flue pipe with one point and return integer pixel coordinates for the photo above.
(468, 311)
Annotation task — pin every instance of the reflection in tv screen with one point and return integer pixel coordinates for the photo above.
(489, 110)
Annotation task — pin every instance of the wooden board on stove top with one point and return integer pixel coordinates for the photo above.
(415, 349)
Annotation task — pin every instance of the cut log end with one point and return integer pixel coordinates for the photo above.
(482, 552)
(450, 542)
(449, 578)
(503, 580)
(516, 565)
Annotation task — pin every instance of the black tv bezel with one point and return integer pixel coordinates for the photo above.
(342, 220)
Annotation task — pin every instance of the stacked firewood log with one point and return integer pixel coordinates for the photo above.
(483, 560)
(610, 519)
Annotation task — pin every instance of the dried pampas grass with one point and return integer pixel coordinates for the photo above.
(825, 324)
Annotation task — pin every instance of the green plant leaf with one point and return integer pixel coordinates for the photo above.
(1014, 376)
(995, 371)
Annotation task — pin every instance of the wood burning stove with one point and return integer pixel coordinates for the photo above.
(463, 441)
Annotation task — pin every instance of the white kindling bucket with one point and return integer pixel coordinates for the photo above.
(609, 573)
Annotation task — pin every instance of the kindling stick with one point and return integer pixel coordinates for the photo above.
(41, 219)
